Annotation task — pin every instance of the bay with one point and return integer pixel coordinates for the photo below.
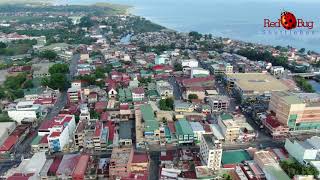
(236, 19)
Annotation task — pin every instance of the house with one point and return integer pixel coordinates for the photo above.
(205, 82)
(180, 106)
(218, 103)
(302, 151)
(198, 130)
(199, 72)
(138, 94)
(112, 92)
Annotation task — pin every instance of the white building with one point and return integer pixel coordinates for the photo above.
(192, 63)
(197, 129)
(164, 89)
(60, 131)
(26, 109)
(84, 112)
(301, 150)
(211, 151)
(277, 70)
(196, 72)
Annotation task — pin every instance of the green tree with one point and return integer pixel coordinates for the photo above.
(99, 73)
(302, 50)
(166, 104)
(59, 68)
(3, 45)
(5, 118)
(48, 54)
(56, 81)
(86, 22)
(192, 96)
(177, 67)
(28, 84)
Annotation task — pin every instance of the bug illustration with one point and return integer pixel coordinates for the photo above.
(288, 20)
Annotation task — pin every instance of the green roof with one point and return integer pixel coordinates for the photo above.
(36, 140)
(183, 127)
(151, 124)
(167, 131)
(234, 157)
(152, 93)
(33, 91)
(226, 116)
(276, 172)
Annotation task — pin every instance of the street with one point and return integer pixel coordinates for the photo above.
(177, 93)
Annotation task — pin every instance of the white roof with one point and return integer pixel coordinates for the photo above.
(216, 131)
(196, 126)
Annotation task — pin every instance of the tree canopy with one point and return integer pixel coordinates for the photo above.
(59, 68)
(48, 54)
(166, 104)
(56, 81)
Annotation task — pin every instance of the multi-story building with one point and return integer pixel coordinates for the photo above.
(150, 123)
(252, 85)
(60, 131)
(180, 106)
(219, 103)
(229, 128)
(211, 151)
(299, 112)
(118, 166)
(74, 95)
(198, 130)
(184, 132)
(100, 137)
(221, 68)
(138, 94)
(164, 89)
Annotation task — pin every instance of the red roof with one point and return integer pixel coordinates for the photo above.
(139, 158)
(68, 164)
(101, 105)
(56, 121)
(171, 127)
(158, 67)
(272, 121)
(55, 165)
(124, 106)
(97, 131)
(138, 90)
(195, 88)
(168, 156)
(44, 139)
(197, 80)
(20, 176)
(81, 167)
(111, 128)
(9, 143)
(19, 130)
(54, 134)
(104, 116)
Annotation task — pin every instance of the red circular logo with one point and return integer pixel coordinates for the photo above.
(288, 20)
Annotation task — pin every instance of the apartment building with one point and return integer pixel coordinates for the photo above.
(211, 151)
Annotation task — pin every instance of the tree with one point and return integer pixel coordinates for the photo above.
(3, 45)
(86, 22)
(56, 81)
(48, 54)
(28, 84)
(166, 104)
(5, 118)
(192, 96)
(59, 68)
(177, 67)
(100, 73)
(302, 50)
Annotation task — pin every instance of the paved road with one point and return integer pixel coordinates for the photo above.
(154, 166)
(177, 93)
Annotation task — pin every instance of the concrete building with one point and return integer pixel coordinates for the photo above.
(199, 72)
(218, 103)
(41, 70)
(251, 85)
(74, 95)
(198, 130)
(100, 137)
(60, 131)
(302, 151)
(125, 133)
(26, 110)
(191, 63)
(118, 166)
(299, 112)
(164, 89)
(150, 123)
(221, 68)
(138, 94)
(277, 70)
(229, 127)
(211, 151)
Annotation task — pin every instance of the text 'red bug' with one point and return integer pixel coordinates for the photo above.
(288, 20)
